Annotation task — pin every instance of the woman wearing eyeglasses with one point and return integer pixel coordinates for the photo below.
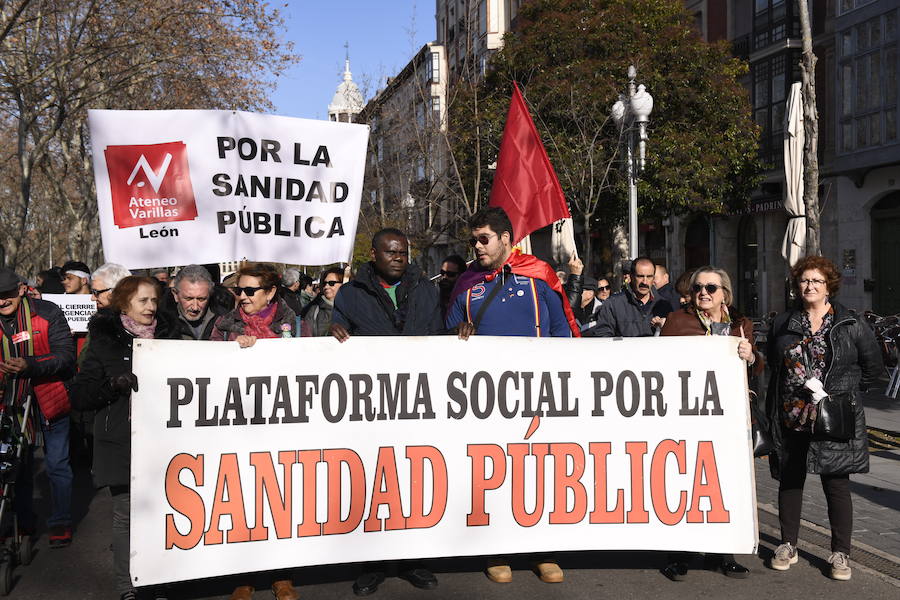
(709, 312)
(818, 348)
(259, 314)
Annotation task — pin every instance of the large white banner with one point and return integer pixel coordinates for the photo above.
(204, 186)
(306, 451)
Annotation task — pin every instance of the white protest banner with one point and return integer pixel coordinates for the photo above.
(306, 451)
(78, 308)
(202, 186)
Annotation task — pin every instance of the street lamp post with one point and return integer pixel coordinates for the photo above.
(630, 109)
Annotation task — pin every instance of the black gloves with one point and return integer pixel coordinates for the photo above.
(124, 383)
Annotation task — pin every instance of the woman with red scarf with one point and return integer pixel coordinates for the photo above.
(259, 314)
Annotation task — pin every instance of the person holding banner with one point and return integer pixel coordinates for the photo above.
(820, 354)
(37, 355)
(104, 383)
(259, 313)
(505, 292)
(711, 313)
(530, 300)
(388, 296)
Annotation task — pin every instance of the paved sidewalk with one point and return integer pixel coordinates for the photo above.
(876, 494)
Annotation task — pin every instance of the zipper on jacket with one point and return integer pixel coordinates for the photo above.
(831, 360)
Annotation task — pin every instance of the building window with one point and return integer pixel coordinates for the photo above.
(868, 83)
(772, 78)
(747, 296)
(436, 109)
(773, 21)
(846, 6)
(433, 68)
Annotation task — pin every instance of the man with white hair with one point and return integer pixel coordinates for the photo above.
(104, 279)
(193, 309)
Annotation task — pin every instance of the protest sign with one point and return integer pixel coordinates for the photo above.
(203, 186)
(307, 451)
(78, 308)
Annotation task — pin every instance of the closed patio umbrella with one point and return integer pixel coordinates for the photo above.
(794, 244)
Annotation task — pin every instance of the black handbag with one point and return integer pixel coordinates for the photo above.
(835, 418)
(759, 430)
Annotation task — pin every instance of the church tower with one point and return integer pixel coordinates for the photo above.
(348, 100)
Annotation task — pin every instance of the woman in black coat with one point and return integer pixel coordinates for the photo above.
(104, 383)
(819, 345)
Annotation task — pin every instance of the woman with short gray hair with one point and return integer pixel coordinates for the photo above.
(104, 279)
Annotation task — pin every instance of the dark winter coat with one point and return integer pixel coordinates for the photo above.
(317, 315)
(109, 355)
(622, 315)
(229, 326)
(855, 364)
(363, 307)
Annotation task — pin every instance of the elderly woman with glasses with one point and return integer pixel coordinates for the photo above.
(709, 312)
(820, 353)
(259, 313)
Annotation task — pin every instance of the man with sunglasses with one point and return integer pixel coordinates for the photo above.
(451, 268)
(505, 292)
(635, 311)
(37, 354)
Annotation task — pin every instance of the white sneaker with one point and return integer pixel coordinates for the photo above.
(785, 556)
(840, 566)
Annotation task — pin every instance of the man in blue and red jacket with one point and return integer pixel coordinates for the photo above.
(37, 355)
(505, 292)
(530, 300)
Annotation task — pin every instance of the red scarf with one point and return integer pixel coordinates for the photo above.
(520, 264)
(259, 324)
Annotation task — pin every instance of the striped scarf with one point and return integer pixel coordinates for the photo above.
(16, 388)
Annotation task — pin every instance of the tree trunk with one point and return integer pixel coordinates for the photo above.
(587, 247)
(811, 131)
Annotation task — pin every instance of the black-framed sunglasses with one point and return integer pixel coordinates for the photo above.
(249, 291)
(98, 292)
(710, 288)
(331, 283)
(482, 239)
(449, 273)
(602, 288)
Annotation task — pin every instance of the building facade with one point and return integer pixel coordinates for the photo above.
(855, 42)
(405, 181)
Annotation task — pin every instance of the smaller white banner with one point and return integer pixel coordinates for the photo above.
(202, 186)
(78, 308)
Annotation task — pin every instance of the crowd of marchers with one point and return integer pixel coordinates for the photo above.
(78, 387)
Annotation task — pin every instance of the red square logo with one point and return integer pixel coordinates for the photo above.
(150, 184)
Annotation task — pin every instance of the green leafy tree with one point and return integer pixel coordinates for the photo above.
(570, 58)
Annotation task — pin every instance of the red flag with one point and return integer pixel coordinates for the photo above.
(525, 185)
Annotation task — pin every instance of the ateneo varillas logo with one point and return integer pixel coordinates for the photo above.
(150, 183)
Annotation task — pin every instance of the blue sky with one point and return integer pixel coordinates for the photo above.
(383, 36)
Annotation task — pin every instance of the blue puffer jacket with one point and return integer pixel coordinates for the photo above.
(363, 307)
